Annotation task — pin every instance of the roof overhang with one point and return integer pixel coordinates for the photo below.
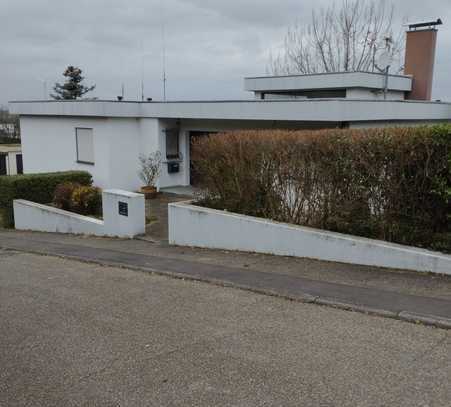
(10, 148)
(342, 80)
(323, 110)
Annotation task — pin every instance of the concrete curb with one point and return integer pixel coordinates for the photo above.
(439, 322)
(304, 297)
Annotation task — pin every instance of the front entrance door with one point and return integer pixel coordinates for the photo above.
(3, 170)
(193, 137)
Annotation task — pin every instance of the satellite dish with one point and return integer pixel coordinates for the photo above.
(385, 60)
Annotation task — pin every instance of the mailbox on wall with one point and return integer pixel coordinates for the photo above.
(123, 208)
(173, 167)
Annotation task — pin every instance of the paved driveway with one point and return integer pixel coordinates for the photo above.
(157, 215)
(75, 334)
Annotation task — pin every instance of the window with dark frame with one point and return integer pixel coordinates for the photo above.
(172, 144)
(19, 163)
(84, 139)
(3, 164)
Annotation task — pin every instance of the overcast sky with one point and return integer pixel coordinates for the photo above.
(211, 44)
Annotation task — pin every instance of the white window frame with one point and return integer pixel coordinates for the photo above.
(80, 160)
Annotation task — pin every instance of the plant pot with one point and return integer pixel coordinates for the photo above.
(150, 192)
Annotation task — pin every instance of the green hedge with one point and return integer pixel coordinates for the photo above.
(34, 187)
(9, 140)
(390, 184)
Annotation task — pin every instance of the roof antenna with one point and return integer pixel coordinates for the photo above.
(385, 61)
(163, 38)
(142, 71)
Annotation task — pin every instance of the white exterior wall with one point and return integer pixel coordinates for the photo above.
(118, 142)
(12, 163)
(125, 144)
(49, 144)
(195, 226)
(368, 94)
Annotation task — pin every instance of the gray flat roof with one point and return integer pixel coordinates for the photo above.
(321, 81)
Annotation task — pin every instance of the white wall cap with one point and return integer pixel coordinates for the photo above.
(120, 192)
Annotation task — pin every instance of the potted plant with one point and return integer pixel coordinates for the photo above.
(149, 172)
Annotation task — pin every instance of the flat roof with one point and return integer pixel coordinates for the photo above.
(308, 110)
(333, 80)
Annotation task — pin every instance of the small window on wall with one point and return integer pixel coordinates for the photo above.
(85, 146)
(19, 163)
(3, 164)
(172, 144)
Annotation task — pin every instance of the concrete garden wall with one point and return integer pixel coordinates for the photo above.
(123, 216)
(191, 225)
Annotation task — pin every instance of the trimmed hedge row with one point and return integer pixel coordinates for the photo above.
(389, 184)
(38, 188)
(9, 140)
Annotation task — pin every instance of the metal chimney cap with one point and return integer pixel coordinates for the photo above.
(426, 24)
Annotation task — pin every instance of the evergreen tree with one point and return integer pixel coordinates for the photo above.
(73, 88)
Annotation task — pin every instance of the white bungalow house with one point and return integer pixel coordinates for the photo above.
(106, 137)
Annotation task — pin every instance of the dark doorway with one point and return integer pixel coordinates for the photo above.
(3, 170)
(193, 137)
(19, 163)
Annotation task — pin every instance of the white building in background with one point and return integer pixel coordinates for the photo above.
(10, 159)
(107, 137)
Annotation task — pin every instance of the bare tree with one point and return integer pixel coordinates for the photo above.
(349, 37)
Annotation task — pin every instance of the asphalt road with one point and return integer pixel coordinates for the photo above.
(75, 334)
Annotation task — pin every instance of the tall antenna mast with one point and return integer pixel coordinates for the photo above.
(142, 71)
(163, 37)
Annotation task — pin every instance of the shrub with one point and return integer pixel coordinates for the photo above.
(388, 184)
(9, 140)
(86, 200)
(62, 197)
(81, 199)
(38, 188)
(150, 168)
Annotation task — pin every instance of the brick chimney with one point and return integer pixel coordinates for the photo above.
(420, 58)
